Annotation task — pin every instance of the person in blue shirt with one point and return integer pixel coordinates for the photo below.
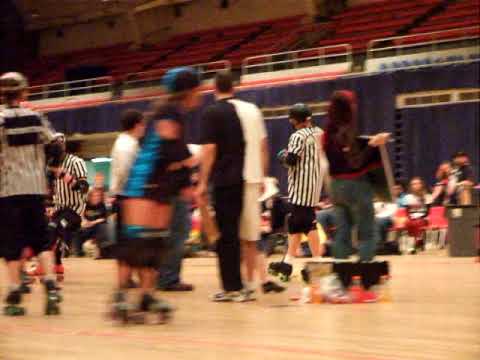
(161, 172)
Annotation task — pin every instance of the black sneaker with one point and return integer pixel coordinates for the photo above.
(271, 286)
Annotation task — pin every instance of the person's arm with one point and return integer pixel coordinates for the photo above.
(379, 139)
(211, 121)
(207, 159)
(265, 157)
(437, 192)
(264, 145)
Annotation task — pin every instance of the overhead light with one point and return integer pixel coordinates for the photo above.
(34, 14)
(101, 160)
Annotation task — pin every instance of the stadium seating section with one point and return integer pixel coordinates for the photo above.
(355, 26)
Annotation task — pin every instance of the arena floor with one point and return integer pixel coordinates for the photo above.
(434, 316)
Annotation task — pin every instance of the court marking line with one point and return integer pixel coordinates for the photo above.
(121, 334)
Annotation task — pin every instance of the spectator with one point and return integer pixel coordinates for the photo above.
(418, 202)
(439, 194)
(460, 181)
(399, 192)
(94, 220)
(384, 219)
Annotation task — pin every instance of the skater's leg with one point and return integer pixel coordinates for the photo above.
(316, 248)
(343, 199)
(124, 274)
(14, 277)
(294, 241)
(169, 272)
(342, 246)
(261, 266)
(249, 256)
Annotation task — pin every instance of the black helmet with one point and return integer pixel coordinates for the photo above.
(300, 112)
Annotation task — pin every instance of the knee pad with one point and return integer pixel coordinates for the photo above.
(143, 247)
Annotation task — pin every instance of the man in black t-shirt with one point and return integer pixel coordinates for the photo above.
(222, 161)
(460, 180)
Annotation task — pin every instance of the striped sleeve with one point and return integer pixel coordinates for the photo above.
(296, 145)
(80, 169)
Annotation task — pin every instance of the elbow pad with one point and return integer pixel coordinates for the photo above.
(81, 185)
(291, 159)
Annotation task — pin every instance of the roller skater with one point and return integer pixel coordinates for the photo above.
(70, 188)
(306, 171)
(23, 184)
(161, 170)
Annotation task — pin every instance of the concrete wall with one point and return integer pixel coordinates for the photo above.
(100, 33)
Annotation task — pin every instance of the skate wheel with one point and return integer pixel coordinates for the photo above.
(284, 278)
(52, 310)
(14, 311)
(272, 272)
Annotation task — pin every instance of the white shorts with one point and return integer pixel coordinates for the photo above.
(251, 218)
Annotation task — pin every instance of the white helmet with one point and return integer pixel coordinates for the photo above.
(13, 81)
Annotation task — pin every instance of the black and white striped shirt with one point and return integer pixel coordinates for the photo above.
(23, 135)
(306, 176)
(64, 196)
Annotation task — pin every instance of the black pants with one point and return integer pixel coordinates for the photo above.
(63, 226)
(228, 207)
(23, 223)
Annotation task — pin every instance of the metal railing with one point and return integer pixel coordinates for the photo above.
(154, 77)
(402, 45)
(71, 88)
(298, 58)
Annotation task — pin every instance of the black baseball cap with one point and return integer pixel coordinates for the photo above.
(300, 112)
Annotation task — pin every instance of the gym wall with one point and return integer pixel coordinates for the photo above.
(160, 23)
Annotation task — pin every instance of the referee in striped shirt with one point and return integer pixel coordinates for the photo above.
(306, 169)
(70, 188)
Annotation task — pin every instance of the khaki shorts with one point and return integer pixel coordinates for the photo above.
(251, 217)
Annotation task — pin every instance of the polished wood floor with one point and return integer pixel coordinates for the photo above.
(435, 315)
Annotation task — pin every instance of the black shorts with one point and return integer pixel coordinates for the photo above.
(301, 219)
(23, 223)
(146, 251)
(64, 223)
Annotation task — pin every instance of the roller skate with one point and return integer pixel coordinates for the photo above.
(53, 298)
(120, 307)
(26, 281)
(13, 300)
(160, 310)
(281, 269)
